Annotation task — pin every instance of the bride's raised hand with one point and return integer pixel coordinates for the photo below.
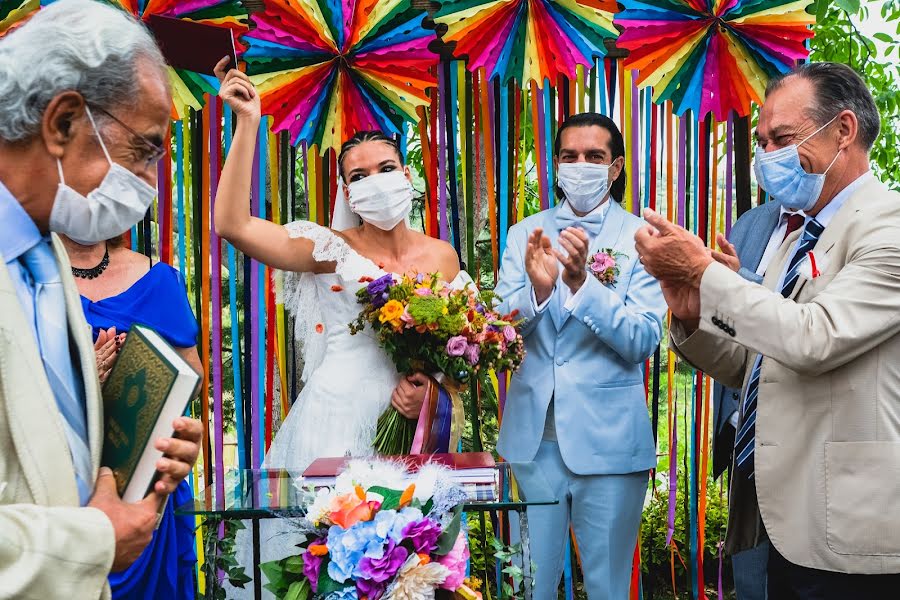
(237, 91)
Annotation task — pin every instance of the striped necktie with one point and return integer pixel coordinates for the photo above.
(744, 442)
(51, 324)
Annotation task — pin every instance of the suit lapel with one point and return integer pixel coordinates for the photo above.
(80, 333)
(34, 419)
(607, 237)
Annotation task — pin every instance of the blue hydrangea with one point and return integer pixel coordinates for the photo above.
(347, 547)
(390, 523)
(348, 593)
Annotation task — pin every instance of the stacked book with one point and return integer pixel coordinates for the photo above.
(475, 472)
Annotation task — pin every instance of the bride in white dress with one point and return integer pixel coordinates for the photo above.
(349, 380)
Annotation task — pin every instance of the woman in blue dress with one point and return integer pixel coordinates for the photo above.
(118, 288)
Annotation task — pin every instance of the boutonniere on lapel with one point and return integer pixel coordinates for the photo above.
(604, 265)
(812, 265)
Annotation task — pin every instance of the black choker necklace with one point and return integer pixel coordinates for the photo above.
(95, 272)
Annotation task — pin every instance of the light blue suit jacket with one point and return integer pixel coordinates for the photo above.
(590, 361)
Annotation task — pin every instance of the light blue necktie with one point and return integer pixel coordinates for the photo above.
(744, 442)
(52, 329)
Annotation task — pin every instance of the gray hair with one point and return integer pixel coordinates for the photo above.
(838, 88)
(72, 45)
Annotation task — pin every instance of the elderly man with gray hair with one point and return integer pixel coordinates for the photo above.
(85, 112)
(815, 348)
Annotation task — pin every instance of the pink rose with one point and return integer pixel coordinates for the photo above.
(455, 562)
(423, 292)
(509, 332)
(457, 346)
(597, 268)
(472, 354)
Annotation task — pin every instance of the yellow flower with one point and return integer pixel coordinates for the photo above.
(391, 313)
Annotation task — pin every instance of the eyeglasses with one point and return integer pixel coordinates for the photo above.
(155, 152)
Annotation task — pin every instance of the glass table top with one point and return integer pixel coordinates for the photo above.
(272, 493)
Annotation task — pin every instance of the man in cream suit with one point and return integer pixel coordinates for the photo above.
(815, 348)
(85, 101)
(578, 407)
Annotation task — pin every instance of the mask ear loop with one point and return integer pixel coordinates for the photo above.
(87, 109)
(810, 136)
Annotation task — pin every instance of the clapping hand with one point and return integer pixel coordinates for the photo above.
(575, 242)
(237, 91)
(727, 254)
(541, 265)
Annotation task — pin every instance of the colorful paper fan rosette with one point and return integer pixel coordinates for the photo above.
(327, 69)
(14, 12)
(528, 40)
(188, 87)
(712, 55)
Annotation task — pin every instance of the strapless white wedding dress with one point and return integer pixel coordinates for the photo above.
(348, 379)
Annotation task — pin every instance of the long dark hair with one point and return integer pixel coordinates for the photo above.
(367, 136)
(616, 145)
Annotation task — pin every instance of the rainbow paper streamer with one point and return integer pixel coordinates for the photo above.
(15, 12)
(325, 70)
(528, 40)
(712, 55)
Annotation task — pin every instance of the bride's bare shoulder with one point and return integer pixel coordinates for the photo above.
(442, 254)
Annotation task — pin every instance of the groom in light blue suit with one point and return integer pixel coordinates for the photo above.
(577, 406)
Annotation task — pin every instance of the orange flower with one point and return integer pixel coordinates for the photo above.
(391, 313)
(350, 509)
(407, 496)
(424, 559)
(337, 288)
(319, 328)
(318, 549)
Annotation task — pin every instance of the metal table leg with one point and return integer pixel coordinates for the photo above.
(527, 580)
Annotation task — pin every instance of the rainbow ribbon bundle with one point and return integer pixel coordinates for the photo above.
(712, 55)
(325, 69)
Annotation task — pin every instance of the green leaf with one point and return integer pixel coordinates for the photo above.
(326, 584)
(883, 37)
(274, 572)
(239, 579)
(294, 564)
(448, 538)
(299, 590)
(851, 6)
(391, 497)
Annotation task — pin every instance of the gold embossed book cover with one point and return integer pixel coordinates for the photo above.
(149, 387)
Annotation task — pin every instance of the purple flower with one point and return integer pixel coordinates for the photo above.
(370, 589)
(382, 569)
(312, 564)
(509, 332)
(378, 290)
(493, 328)
(423, 534)
(472, 354)
(456, 346)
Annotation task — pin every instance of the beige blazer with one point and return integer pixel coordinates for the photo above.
(50, 547)
(827, 455)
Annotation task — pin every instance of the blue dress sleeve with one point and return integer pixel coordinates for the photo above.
(158, 300)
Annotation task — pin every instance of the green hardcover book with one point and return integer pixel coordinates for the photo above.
(149, 387)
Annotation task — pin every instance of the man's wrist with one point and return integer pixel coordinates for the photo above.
(542, 294)
(575, 285)
(699, 269)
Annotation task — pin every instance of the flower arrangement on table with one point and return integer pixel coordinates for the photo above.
(426, 325)
(380, 533)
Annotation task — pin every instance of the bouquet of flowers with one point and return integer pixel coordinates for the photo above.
(425, 325)
(380, 533)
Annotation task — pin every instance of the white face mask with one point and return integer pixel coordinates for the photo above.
(110, 210)
(585, 184)
(383, 199)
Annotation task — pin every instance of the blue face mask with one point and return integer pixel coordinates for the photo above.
(780, 173)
